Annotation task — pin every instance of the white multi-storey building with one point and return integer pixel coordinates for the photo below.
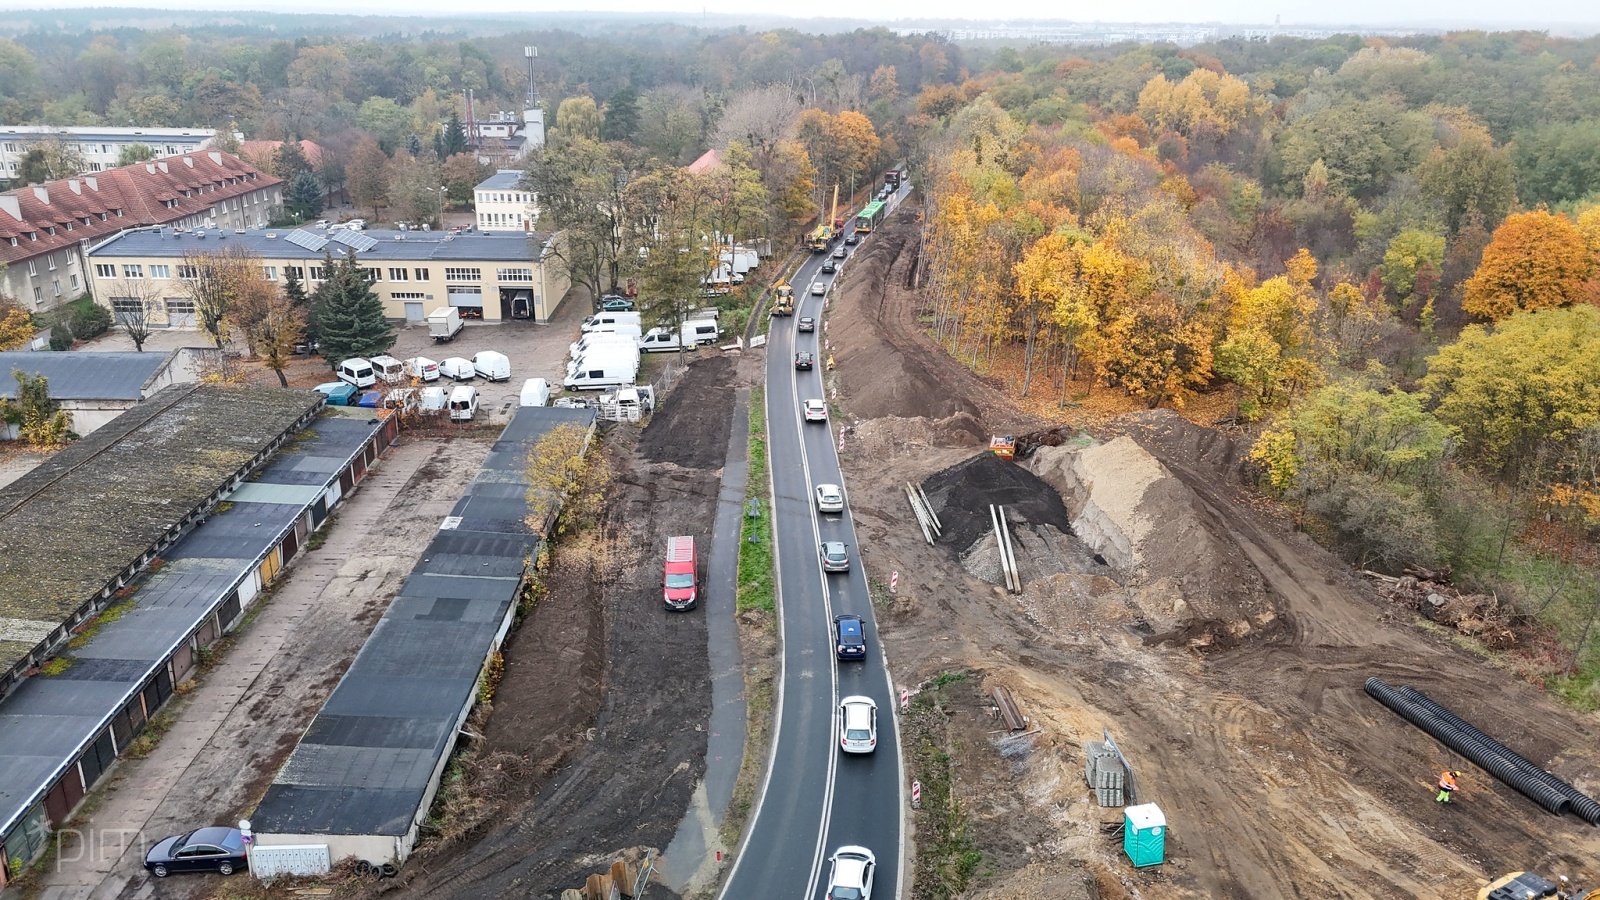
(100, 146)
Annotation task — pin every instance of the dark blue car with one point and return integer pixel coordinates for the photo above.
(215, 849)
(849, 637)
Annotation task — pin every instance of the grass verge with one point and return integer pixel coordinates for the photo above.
(947, 858)
(755, 548)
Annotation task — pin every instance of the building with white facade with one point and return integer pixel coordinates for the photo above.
(100, 146)
(501, 203)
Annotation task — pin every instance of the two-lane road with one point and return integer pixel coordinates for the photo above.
(816, 798)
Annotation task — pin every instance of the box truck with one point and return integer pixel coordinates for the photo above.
(444, 324)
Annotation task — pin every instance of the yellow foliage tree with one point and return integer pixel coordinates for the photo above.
(16, 325)
(1535, 260)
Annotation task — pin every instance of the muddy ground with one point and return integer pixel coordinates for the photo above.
(604, 703)
(1229, 665)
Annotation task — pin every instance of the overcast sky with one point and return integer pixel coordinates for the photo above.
(1428, 13)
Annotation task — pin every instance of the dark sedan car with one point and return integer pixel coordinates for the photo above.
(804, 359)
(806, 323)
(615, 303)
(852, 239)
(828, 268)
(215, 849)
(849, 637)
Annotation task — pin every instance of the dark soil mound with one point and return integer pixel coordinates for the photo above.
(690, 426)
(962, 493)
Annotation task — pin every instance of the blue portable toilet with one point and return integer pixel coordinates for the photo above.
(1144, 835)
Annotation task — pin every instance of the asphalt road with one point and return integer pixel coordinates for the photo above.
(816, 798)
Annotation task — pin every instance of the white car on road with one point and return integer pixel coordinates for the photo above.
(830, 498)
(816, 411)
(858, 725)
(851, 878)
(818, 288)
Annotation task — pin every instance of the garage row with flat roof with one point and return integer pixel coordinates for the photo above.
(364, 775)
(59, 732)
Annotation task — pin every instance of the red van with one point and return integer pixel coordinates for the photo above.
(682, 579)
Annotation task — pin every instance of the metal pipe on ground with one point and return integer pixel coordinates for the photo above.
(1583, 806)
(1010, 549)
(915, 511)
(920, 501)
(1465, 744)
(926, 504)
(1000, 544)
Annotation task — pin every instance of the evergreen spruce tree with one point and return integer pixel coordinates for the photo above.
(304, 197)
(295, 290)
(621, 120)
(350, 320)
(453, 138)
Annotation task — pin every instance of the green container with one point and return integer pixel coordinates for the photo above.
(1144, 835)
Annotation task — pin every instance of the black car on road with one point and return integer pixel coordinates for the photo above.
(805, 359)
(849, 637)
(215, 849)
(828, 268)
(852, 239)
(806, 323)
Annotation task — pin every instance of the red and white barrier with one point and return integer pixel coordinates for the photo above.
(894, 581)
(841, 442)
(905, 699)
(916, 795)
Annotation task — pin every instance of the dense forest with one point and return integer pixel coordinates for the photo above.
(1379, 258)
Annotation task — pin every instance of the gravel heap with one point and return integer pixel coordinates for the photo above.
(962, 493)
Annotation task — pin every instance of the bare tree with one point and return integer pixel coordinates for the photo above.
(761, 119)
(133, 303)
(213, 280)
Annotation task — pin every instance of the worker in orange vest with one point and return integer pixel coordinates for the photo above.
(1447, 786)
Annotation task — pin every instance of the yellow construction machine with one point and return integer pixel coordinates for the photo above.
(783, 300)
(1528, 886)
(822, 236)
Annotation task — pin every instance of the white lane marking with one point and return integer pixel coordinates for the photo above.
(833, 668)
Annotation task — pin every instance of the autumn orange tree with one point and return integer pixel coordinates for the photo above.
(16, 325)
(1536, 260)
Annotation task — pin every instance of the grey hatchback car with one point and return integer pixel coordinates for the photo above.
(835, 556)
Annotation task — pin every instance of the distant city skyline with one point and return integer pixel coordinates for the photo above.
(1566, 16)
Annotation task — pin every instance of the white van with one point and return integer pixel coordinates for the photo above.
(595, 338)
(357, 371)
(492, 365)
(701, 331)
(458, 368)
(602, 374)
(422, 368)
(535, 392)
(388, 369)
(628, 356)
(463, 403)
(660, 340)
(433, 400)
(612, 321)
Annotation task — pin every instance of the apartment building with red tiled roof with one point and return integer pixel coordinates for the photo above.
(46, 229)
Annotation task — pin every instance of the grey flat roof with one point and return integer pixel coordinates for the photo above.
(272, 243)
(368, 758)
(80, 518)
(503, 180)
(47, 722)
(83, 375)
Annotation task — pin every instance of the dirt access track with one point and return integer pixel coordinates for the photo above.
(598, 732)
(1224, 651)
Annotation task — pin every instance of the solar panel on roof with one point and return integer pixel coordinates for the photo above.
(303, 238)
(352, 238)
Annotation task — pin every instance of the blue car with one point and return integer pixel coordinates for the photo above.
(370, 399)
(339, 393)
